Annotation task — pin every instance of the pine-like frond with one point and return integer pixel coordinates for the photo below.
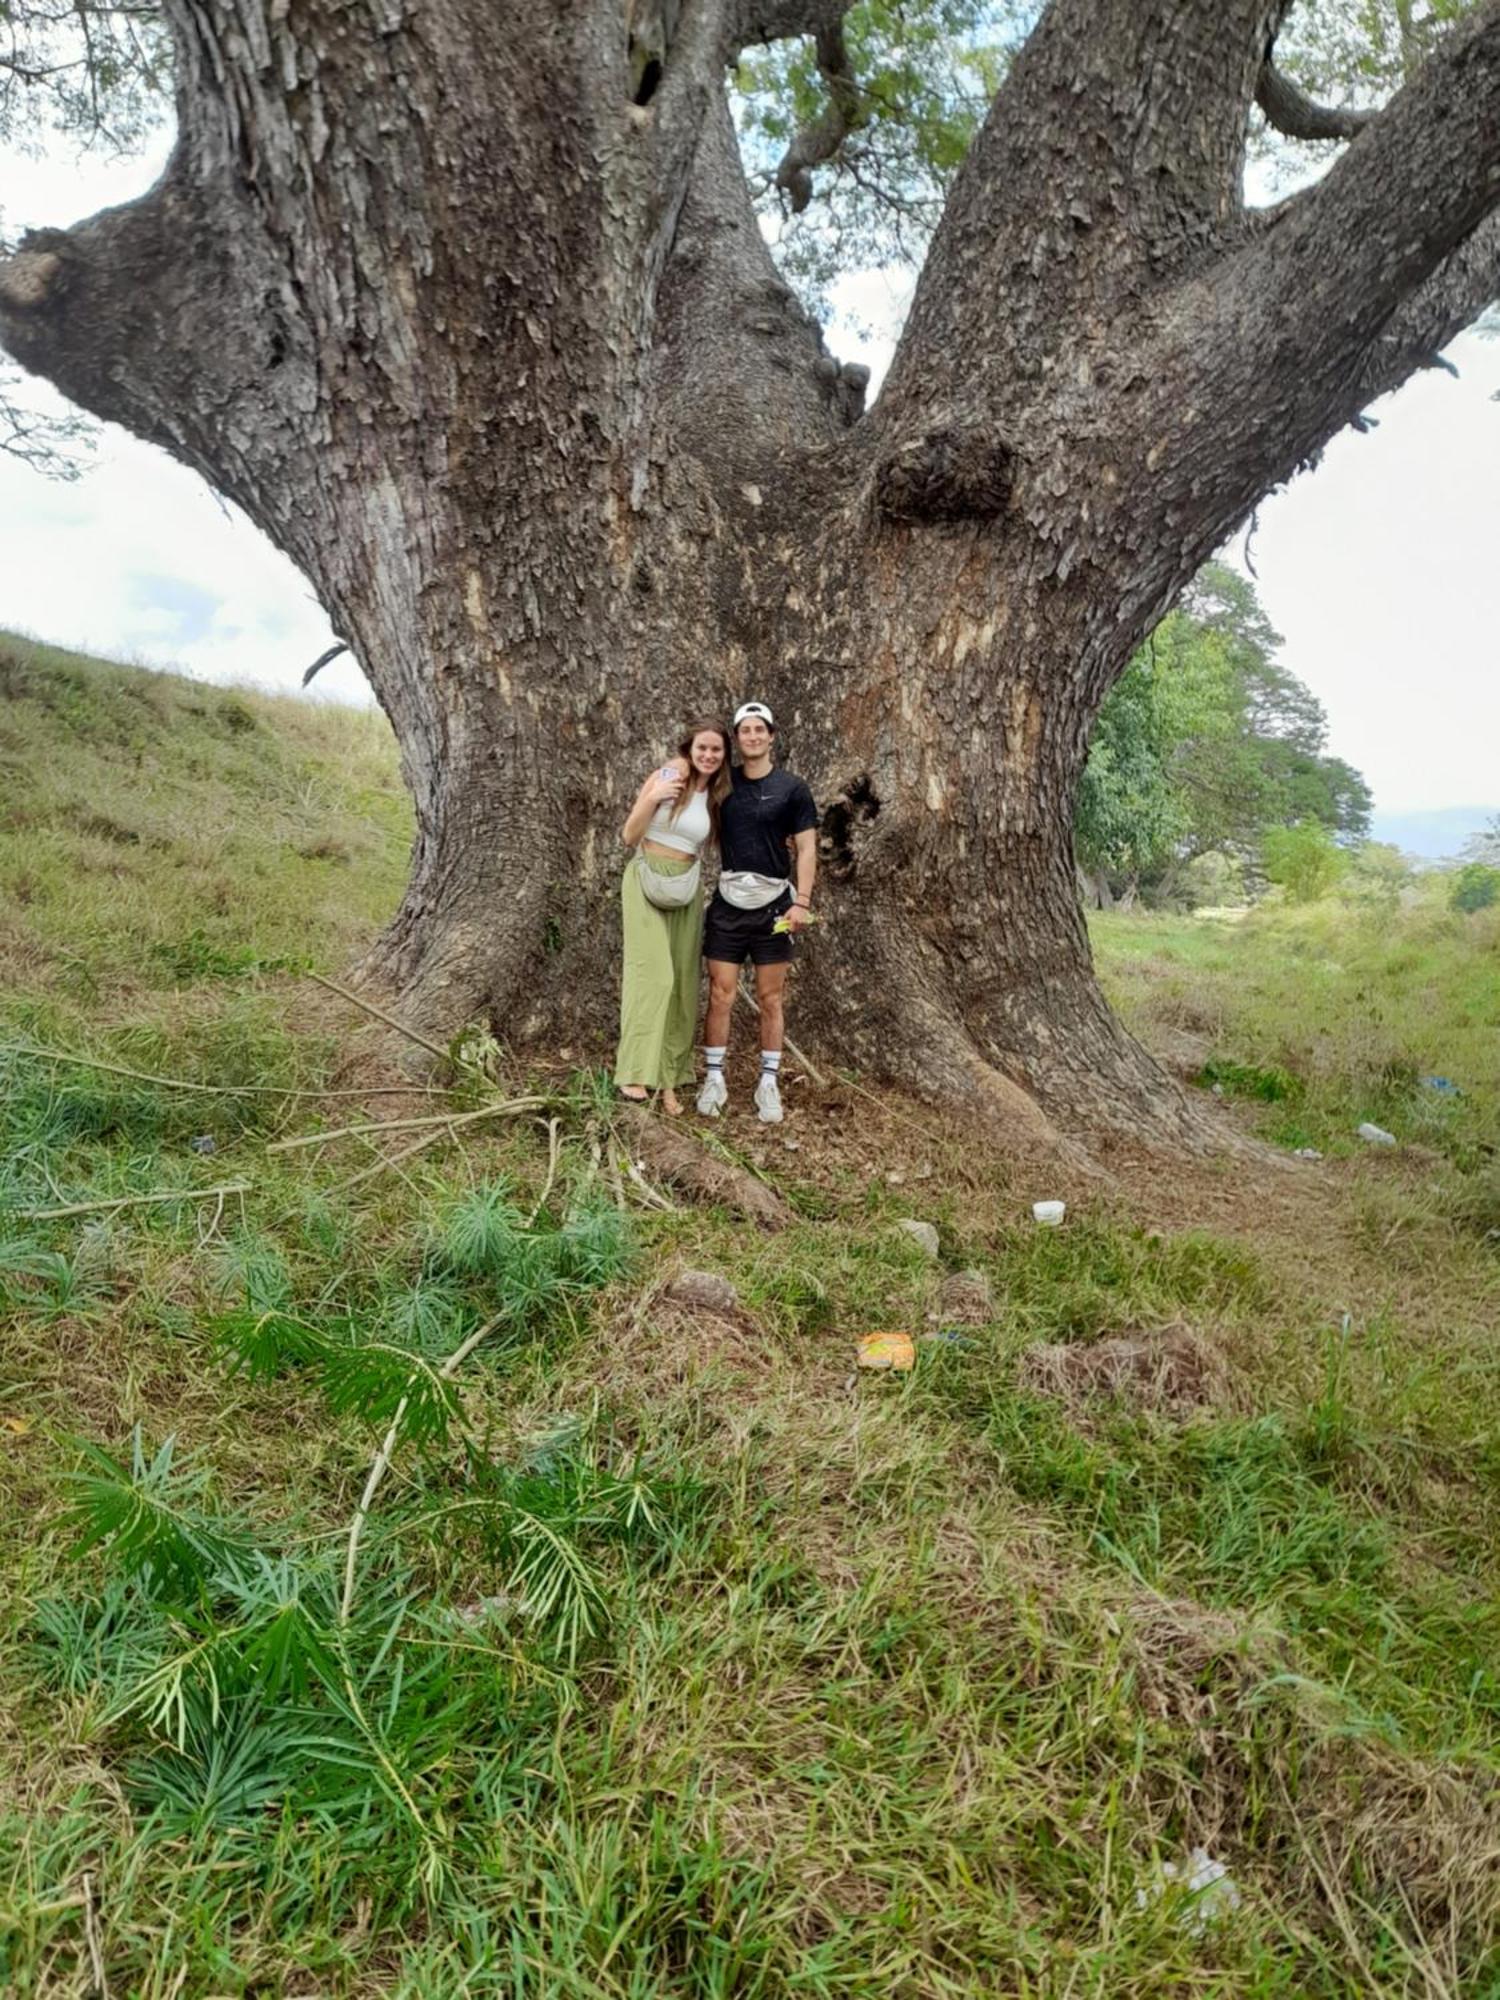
(150, 1517)
(479, 1234)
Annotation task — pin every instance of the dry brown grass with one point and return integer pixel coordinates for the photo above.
(1171, 1370)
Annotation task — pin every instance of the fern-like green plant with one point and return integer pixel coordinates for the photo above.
(430, 1317)
(45, 1283)
(480, 1234)
(151, 1516)
(372, 1379)
(256, 1269)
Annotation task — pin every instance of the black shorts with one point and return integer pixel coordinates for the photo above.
(732, 935)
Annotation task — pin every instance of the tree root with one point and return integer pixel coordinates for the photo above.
(679, 1157)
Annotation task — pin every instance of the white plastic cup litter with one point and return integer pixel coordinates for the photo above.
(1049, 1213)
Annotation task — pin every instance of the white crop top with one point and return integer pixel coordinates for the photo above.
(688, 831)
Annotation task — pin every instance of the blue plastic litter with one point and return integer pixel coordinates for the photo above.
(1443, 1085)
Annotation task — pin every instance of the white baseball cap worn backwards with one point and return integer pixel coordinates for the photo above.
(754, 708)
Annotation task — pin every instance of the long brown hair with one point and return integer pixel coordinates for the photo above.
(718, 785)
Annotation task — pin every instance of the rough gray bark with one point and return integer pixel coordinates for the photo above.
(1293, 113)
(495, 351)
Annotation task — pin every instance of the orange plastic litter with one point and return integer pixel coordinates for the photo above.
(887, 1350)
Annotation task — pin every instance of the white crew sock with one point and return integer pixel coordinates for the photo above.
(770, 1061)
(715, 1057)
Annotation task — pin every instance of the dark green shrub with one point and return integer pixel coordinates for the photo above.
(1475, 887)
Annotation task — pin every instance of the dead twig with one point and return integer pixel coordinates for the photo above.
(206, 1235)
(509, 1108)
(133, 1201)
(93, 1936)
(653, 1197)
(382, 1462)
(387, 1164)
(220, 1089)
(553, 1148)
(405, 1124)
(322, 660)
(743, 992)
(379, 1014)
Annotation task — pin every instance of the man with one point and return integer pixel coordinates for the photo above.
(768, 822)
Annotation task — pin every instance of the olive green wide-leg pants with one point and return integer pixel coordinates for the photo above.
(659, 983)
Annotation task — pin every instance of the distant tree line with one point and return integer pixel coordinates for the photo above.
(1206, 746)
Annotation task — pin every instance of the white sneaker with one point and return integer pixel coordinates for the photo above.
(768, 1098)
(714, 1095)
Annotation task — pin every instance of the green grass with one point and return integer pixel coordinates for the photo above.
(158, 834)
(1333, 1013)
(678, 1658)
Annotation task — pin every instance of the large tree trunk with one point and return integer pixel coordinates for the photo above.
(497, 354)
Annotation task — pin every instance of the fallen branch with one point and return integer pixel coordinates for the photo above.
(94, 1937)
(509, 1108)
(682, 1159)
(379, 1014)
(406, 1124)
(653, 1197)
(382, 1462)
(219, 1089)
(553, 1147)
(132, 1201)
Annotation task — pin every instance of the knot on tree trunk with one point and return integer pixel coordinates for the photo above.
(27, 278)
(948, 474)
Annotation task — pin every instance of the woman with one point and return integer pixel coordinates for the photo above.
(673, 820)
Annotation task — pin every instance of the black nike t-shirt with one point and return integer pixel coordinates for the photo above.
(758, 819)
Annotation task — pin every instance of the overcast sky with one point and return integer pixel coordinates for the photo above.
(1379, 567)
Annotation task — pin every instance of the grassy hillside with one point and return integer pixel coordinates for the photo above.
(406, 1591)
(158, 834)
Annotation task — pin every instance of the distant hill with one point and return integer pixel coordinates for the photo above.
(1431, 836)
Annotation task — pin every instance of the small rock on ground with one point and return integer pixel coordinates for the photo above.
(965, 1300)
(1376, 1135)
(702, 1291)
(922, 1234)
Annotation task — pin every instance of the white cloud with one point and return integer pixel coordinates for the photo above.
(1379, 568)
(140, 561)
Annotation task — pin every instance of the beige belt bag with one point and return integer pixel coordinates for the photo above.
(668, 892)
(749, 891)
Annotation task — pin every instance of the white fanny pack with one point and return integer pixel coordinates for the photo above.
(749, 891)
(668, 891)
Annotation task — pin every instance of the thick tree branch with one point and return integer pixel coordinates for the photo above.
(128, 314)
(1356, 247)
(739, 366)
(1111, 157)
(1453, 297)
(1295, 115)
(780, 20)
(1243, 373)
(822, 139)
